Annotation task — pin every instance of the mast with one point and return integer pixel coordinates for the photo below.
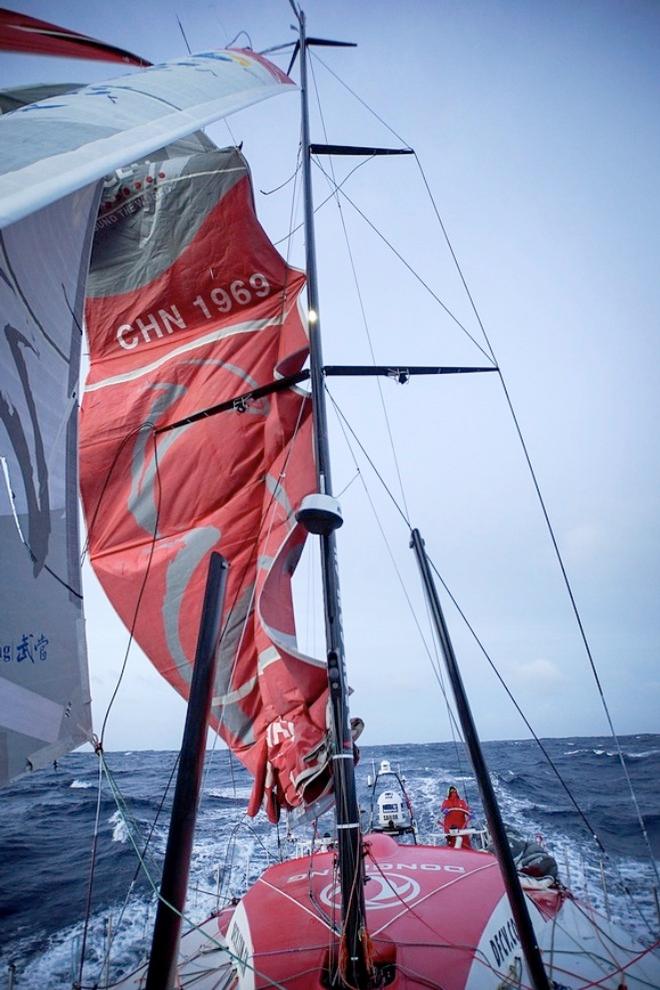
(167, 929)
(526, 933)
(349, 834)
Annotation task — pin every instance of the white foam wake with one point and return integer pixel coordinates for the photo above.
(120, 830)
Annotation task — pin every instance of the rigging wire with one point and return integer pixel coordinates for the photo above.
(550, 528)
(541, 500)
(596, 957)
(539, 743)
(208, 760)
(473, 633)
(227, 868)
(254, 555)
(325, 65)
(98, 741)
(269, 514)
(438, 666)
(454, 726)
(438, 672)
(183, 34)
(320, 205)
(651, 948)
(271, 505)
(143, 586)
(356, 283)
(106, 481)
(197, 927)
(479, 954)
(348, 485)
(33, 557)
(187, 44)
(310, 889)
(369, 460)
(139, 601)
(511, 697)
(237, 36)
(435, 662)
(406, 264)
(136, 873)
(92, 871)
(283, 185)
(492, 356)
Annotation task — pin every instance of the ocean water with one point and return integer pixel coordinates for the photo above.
(48, 818)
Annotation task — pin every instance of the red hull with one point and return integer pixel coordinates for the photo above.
(438, 914)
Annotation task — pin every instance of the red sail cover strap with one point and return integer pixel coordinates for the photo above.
(20, 33)
(189, 305)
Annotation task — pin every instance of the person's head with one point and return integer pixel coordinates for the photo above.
(452, 792)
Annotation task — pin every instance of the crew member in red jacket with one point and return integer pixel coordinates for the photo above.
(455, 815)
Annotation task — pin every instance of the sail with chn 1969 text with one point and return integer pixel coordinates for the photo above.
(190, 305)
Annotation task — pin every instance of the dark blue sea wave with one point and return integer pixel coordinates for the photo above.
(47, 826)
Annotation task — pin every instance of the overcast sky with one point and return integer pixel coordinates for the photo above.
(537, 127)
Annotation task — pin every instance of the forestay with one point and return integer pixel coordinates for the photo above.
(190, 305)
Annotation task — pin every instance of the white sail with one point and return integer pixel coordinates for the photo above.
(56, 146)
(44, 695)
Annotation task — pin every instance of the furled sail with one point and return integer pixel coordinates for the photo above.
(190, 305)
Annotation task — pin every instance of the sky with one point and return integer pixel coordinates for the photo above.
(536, 127)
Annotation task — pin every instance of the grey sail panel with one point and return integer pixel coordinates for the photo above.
(22, 96)
(58, 145)
(44, 695)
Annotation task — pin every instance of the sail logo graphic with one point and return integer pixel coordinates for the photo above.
(279, 731)
(382, 891)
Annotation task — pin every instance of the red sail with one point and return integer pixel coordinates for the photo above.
(20, 33)
(190, 305)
